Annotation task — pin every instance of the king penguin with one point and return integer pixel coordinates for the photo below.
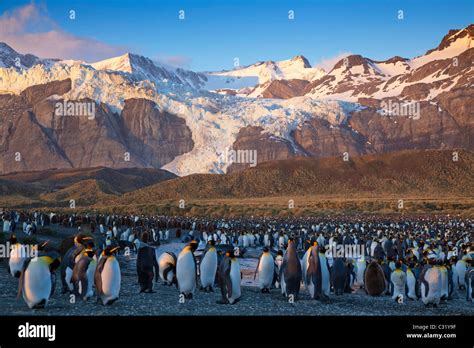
(147, 265)
(229, 278)
(374, 279)
(208, 267)
(83, 274)
(70, 258)
(430, 285)
(107, 276)
(290, 272)
(38, 279)
(186, 270)
(17, 256)
(317, 277)
(398, 278)
(167, 268)
(266, 270)
(361, 264)
(411, 281)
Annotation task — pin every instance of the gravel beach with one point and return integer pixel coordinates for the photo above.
(165, 301)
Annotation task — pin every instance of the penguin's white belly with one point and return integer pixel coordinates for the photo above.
(235, 279)
(17, 259)
(324, 276)
(186, 273)
(305, 265)
(360, 273)
(444, 282)
(90, 278)
(455, 278)
(69, 278)
(399, 281)
(433, 278)
(266, 270)
(208, 268)
(36, 283)
(411, 283)
(110, 280)
(461, 271)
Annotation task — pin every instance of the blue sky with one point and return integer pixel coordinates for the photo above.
(214, 32)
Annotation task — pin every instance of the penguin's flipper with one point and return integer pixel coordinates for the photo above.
(168, 268)
(98, 275)
(256, 269)
(227, 282)
(22, 277)
(427, 287)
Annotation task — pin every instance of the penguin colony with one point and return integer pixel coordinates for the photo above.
(425, 258)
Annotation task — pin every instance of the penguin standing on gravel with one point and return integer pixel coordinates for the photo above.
(278, 263)
(411, 281)
(266, 270)
(229, 278)
(107, 276)
(83, 274)
(208, 267)
(146, 263)
(317, 276)
(304, 260)
(167, 268)
(186, 270)
(430, 284)
(374, 279)
(70, 259)
(17, 257)
(398, 280)
(290, 272)
(38, 279)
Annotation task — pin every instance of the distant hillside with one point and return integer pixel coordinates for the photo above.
(418, 173)
(83, 193)
(121, 180)
(86, 186)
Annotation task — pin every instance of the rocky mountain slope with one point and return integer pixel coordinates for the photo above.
(150, 115)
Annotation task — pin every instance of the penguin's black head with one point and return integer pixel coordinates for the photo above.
(82, 239)
(265, 249)
(89, 252)
(110, 250)
(193, 244)
(230, 253)
(280, 252)
(89, 244)
(145, 237)
(212, 242)
(398, 264)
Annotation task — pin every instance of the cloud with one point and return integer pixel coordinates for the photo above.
(177, 61)
(29, 29)
(328, 63)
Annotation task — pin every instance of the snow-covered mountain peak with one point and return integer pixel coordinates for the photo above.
(9, 58)
(452, 45)
(144, 68)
